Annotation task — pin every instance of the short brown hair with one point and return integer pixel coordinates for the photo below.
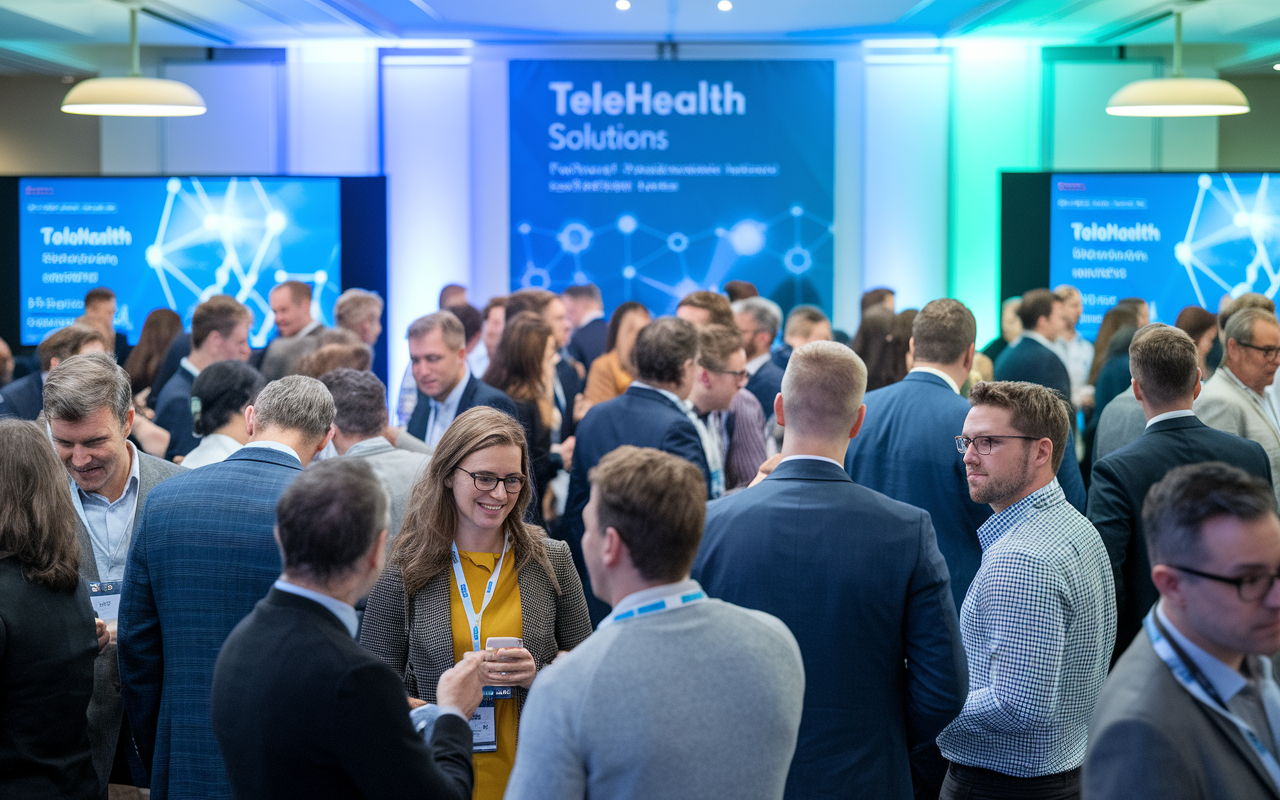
(822, 389)
(943, 331)
(221, 313)
(802, 319)
(1034, 410)
(1165, 363)
(1177, 508)
(1196, 321)
(875, 297)
(455, 336)
(662, 348)
(494, 302)
(332, 356)
(98, 294)
(657, 503)
(67, 342)
(716, 345)
(299, 292)
(357, 306)
(37, 519)
(719, 312)
(1036, 303)
(740, 290)
(535, 300)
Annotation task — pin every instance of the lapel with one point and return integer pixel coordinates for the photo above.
(1252, 409)
(1234, 736)
(468, 398)
(88, 561)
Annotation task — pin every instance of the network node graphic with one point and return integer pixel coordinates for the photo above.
(1222, 232)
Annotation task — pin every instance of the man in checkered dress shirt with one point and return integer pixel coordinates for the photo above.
(1039, 621)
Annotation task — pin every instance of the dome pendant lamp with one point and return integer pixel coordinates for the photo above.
(134, 96)
(1178, 95)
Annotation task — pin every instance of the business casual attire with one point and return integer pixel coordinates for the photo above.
(782, 356)
(432, 418)
(1152, 739)
(1228, 405)
(48, 648)
(173, 410)
(1119, 488)
(105, 532)
(422, 635)
(994, 348)
(179, 349)
(397, 469)
(338, 728)
(607, 378)
(587, 342)
(741, 432)
(807, 545)
(642, 416)
(1122, 421)
(673, 697)
(23, 398)
(1038, 624)
(906, 450)
(765, 381)
(212, 448)
(284, 352)
(203, 555)
(1034, 359)
(543, 464)
(1077, 354)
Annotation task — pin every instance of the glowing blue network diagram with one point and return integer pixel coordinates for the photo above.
(1249, 220)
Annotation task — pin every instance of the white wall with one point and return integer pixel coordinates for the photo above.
(241, 133)
(332, 101)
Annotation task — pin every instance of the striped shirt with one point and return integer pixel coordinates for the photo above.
(1038, 625)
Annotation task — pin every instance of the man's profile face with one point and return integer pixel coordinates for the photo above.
(555, 316)
(1235, 548)
(593, 544)
(437, 368)
(1000, 477)
(1251, 365)
(93, 449)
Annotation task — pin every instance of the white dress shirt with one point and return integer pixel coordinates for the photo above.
(754, 365)
(1182, 412)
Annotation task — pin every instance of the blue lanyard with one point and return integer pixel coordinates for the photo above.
(473, 616)
(662, 604)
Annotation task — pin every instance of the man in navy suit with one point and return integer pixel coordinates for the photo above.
(653, 412)
(1034, 358)
(759, 319)
(907, 446)
(446, 387)
(858, 579)
(585, 309)
(202, 557)
(24, 398)
(1166, 380)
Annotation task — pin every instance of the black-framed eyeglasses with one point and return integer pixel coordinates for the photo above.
(487, 483)
(983, 443)
(739, 374)
(1251, 588)
(1269, 353)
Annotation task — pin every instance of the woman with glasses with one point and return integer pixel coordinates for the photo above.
(463, 537)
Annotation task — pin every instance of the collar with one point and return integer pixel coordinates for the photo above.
(683, 405)
(940, 374)
(277, 446)
(368, 446)
(811, 458)
(1232, 377)
(308, 328)
(1044, 340)
(186, 364)
(754, 365)
(1226, 681)
(345, 613)
(135, 478)
(590, 317)
(637, 599)
(455, 397)
(997, 525)
(1182, 412)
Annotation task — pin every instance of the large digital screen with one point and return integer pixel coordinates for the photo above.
(172, 242)
(1174, 239)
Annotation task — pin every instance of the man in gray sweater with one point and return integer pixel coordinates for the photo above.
(676, 694)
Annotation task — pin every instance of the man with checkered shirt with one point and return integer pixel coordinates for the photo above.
(1039, 621)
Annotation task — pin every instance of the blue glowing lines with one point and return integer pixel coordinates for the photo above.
(1248, 221)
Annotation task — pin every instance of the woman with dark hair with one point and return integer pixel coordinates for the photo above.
(462, 531)
(1123, 314)
(48, 639)
(874, 345)
(524, 368)
(1202, 326)
(144, 359)
(612, 372)
(219, 396)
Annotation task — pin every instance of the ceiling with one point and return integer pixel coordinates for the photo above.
(55, 36)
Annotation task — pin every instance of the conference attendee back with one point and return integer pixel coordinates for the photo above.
(299, 708)
(1034, 358)
(858, 579)
(203, 555)
(1166, 381)
(1121, 422)
(24, 398)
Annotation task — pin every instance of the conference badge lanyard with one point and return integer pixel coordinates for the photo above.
(105, 597)
(484, 732)
(667, 603)
(1193, 680)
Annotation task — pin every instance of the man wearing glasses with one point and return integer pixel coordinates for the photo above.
(1236, 398)
(1192, 707)
(1039, 620)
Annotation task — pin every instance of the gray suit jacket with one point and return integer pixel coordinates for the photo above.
(1223, 404)
(105, 706)
(283, 354)
(1122, 421)
(397, 469)
(1151, 740)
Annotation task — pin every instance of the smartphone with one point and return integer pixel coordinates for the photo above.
(499, 642)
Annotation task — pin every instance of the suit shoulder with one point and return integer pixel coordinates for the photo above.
(158, 466)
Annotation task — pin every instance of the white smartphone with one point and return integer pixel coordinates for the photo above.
(500, 642)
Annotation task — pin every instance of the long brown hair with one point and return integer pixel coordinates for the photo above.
(517, 366)
(37, 519)
(144, 359)
(1120, 316)
(423, 548)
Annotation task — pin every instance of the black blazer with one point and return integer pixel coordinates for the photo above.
(765, 385)
(301, 710)
(572, 384)
(543, 464)
(588, 341)
(1119, 487)
(24, 398)
(47, 651)
(179, 349)
(173, 413)
(476, 393)
(1033, 362)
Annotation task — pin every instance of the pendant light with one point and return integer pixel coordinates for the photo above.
(134, 96)
(1178, 95)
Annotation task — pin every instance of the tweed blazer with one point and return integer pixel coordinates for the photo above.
(1225, 405)
(414, 635)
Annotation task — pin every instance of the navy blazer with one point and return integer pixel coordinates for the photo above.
(642, 417)
(202, 556)
(1119, 488)
(858, 579)
(179, 349)
(23, 398)
(587, 343)
(173, 413)
(1031, 361)
(572, 384)
(476, 393)
(766, 384)
(906, 450)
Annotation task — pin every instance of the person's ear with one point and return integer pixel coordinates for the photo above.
(1044, 451)
(328, 437)
(1195, 390)
(1137, 390)
(249, 420)
(777, 410)
(857, 425)
(911, 347)
(614, 549)
(128, 422)
(1168, 581)
(968, 357)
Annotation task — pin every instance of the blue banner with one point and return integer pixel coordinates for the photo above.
(653, 179)
(172, 243)
(1173, 239)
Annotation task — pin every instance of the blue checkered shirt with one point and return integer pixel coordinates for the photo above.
(1038, 624)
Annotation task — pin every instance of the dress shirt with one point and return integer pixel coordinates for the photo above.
(477, 362)
(283, 448)
(110, 524)
(443, 414)
(212, 448)
(1182, 412)
(754, 365)
(186, 364)
(655, 593)
(1077, 354)
(940, 374)
(1047, 342)
(1268, 410)
(1038, 626)
(345, 613)
(308, 328)
(812, 458)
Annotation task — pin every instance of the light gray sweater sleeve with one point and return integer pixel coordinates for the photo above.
(549, 762)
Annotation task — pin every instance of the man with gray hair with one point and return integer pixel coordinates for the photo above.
(88, 406)
(203, 554)
(1236, 399)
(759, 319)
(858, 579)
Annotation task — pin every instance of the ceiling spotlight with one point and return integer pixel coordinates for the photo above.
(724, 5)
(1275, 66)
(623, 5)
(1178, 96)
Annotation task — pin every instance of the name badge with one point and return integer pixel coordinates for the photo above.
(498, 692)
(105, 598)
(484, 730)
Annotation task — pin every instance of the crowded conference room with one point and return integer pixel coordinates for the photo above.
(639, 400)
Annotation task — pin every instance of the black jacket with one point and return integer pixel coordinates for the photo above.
(476, 393)
(24, 398)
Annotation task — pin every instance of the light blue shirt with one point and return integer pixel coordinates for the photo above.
(345, 613)
(1225, 680)
(443, 414)
(110, 524)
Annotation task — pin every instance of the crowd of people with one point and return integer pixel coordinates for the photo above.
(726, 553)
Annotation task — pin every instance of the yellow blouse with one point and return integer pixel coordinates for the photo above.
(501, 618)
(607, 378)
